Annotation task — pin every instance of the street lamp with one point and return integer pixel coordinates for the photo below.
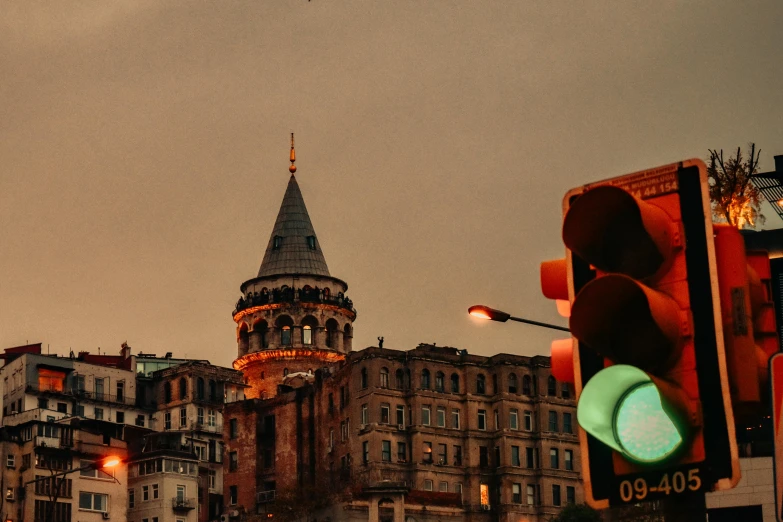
(485, 312)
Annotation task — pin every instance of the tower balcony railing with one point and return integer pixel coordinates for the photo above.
(290, 295)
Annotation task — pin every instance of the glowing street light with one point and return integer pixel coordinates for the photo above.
(485, 312)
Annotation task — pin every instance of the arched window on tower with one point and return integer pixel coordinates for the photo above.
(331, 333)
(307, 334)
(425, 379)
(183, 388)
(526, 385)
(363, 378)
(285, 335)
(384, 377)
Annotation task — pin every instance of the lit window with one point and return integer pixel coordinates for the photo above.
(307, 334)
(484, 494)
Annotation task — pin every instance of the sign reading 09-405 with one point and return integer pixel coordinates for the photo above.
(649, 362)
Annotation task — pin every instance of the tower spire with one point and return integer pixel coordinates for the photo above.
(292, 168)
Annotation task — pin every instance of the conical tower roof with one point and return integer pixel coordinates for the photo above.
(293, 247)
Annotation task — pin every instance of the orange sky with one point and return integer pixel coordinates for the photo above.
(144, 148)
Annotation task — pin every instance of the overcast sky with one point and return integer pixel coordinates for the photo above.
(144, 152)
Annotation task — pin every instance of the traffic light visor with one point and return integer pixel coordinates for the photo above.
(625, 409)
(616, 232)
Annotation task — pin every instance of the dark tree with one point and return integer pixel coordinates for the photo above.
(578, 513)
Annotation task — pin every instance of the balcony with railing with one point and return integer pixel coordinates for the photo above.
(80, 394)
(290, 295)
(183, 503)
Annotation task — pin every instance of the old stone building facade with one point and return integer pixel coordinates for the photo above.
(432, 433)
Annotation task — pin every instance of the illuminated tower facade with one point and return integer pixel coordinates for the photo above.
(294, 316)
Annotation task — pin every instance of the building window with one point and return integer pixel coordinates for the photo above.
(443, 487)
(121, 391)
(515, 461)
(200, 415)
(565, 390)
(145, 493)
(48, 380)
(439, 378)
(570, 495)
(285, 335)
(526, 385)
(425, 415)
(454, 383)
(167, 420)
(120, 417)
(552, 420)
(497, 419)
(443, 457)
(233, 461)
(531, 455)
(386, 450)
(365, 415)
(458, 488)
(344, 429)
(569, 460)
(384, 377)
(363, 374)
(484, 494)
(457, 455)
(183, 417)
(554, 458)
(482, 419)
(425, 379)
(481, 384)
(555, 495)
(131, 498)
(212, 479)
(93, 501)
(516, 493)
(233, 428)
(427, 452)
(385, 412)
(512, 383)
(513, 419)
(483, 457)
(43, 403)
(366, 451)
(211, 418)
(567, 423)
(402, 452)
(307, 334)
(277, 242)
(401, 416)
(551, 387)
(455, 419)
(311, 242)
(399, 379)
(232, 495)
(10, 461)
(528, 421)
(532, 495)
(98, 413)
(427, 485)
(440, 417)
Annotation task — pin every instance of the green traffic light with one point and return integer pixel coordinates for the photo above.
(622, 407)
(643, 428)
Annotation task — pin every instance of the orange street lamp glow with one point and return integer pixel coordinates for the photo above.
(485, 312)
(110, 462)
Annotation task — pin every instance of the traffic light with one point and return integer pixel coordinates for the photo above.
(648, 355)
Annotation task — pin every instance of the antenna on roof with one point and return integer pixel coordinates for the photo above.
(292, 168)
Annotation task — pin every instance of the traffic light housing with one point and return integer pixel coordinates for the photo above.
(648, 356)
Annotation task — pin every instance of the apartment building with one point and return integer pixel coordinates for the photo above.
(49, 469)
